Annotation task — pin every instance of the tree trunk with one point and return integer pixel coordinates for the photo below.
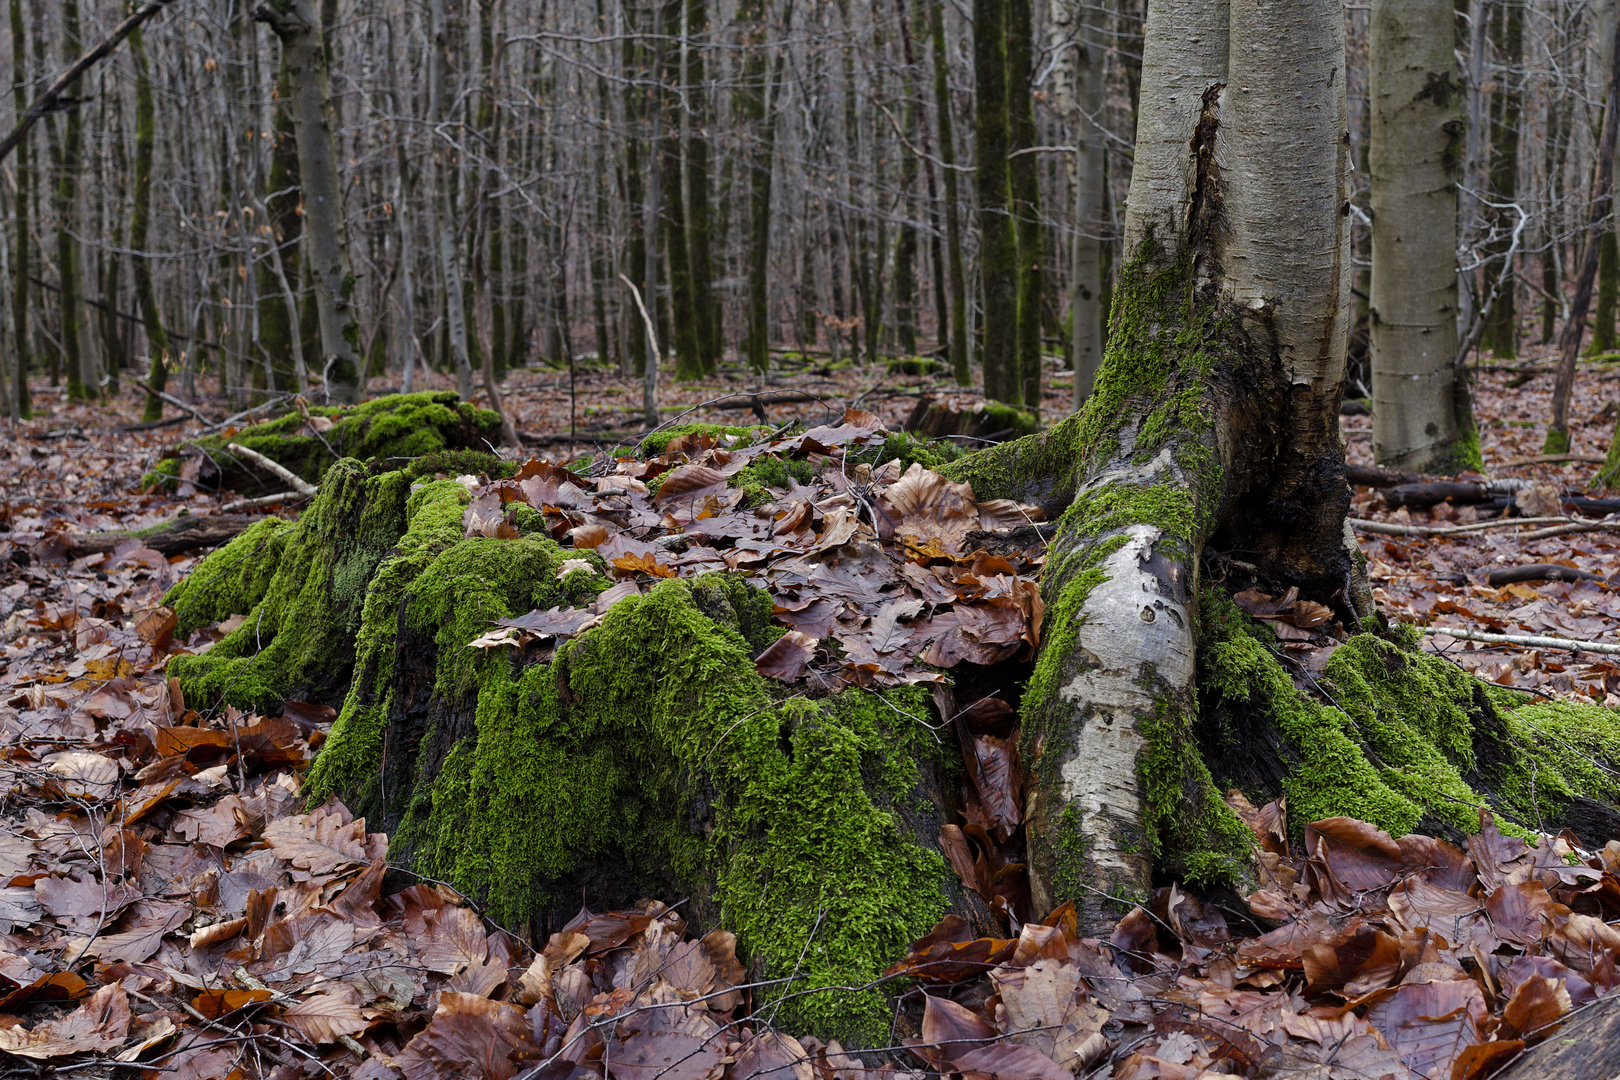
(157, 341)
(442, 206)
(1413, 157)
(667, 159)
(1090, 174)
(953, 227)
(762, 82)
(998, 241)
(298, 24)
(1503, 335)
(1213, 425)
(1569, 341)
(1026, 195)
(908, 205)
(699, 243)
(67, 218)
(280, 325)
(21, 406)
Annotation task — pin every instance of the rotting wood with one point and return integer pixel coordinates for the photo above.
(188, 532)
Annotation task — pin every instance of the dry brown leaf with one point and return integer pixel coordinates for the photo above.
(1535, 1007)
(323, 1017)
(321, 842)
(786, 657)
(84, 775)
(1041, 1008)
(99, 1024)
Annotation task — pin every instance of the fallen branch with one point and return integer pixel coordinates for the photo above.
(1550, 459)
(298, 483)
(176, 402)
(1572, 527)
(185, 533)
(261, 501)
(1528, 641)
(1460, 492)
(1508, 575)
(1378, 477)
(1393, 528)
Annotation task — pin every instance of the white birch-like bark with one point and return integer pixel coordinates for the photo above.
(1239, 200)
(1412, 155)
(1285, 159)
(1184, 57)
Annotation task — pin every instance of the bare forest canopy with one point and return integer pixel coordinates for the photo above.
(510, 180)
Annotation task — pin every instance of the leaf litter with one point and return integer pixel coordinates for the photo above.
(170, 905)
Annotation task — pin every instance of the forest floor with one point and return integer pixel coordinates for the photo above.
(169, 906)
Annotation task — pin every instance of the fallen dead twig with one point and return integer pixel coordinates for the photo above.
(296, 482)
(1553, 459)
(1395, 528)
(1572, 527)
(1529, 641)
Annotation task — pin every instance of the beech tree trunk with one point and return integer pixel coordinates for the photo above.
(1414, 156)
(1213, 425)
(157, 341)
(953, 227)
(22, 408)
(298, 24)
(998, 240)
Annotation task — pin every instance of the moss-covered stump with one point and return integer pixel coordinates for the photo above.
(396, 427)
(647, 758)
(1399, 737)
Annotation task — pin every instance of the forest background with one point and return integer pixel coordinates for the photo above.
(796, 176)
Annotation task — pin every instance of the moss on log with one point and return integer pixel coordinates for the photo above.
(397, 427)
(646, 759)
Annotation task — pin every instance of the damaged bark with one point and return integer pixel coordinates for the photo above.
(1213, 432)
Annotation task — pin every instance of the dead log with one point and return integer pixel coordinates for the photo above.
(185, 533)
(1507, 575)
(1376, 476)
(1457, 492)
(1586, 1047)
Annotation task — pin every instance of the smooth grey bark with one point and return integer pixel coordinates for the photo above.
(407, 258)
(441, 207)
(1237, 285)
(484, 303)
(1079, 86)
(1413, 152)
(298, 24)
(20, 408)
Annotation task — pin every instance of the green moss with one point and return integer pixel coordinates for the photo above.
(997, 417)
(915, 365)
(466, 462)
(907, 449)
(302, 588)
(658, 441)
(398, 427)
(655, 722)
(769, 471)
(1404, 739)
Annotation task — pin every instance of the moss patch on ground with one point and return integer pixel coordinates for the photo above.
(397, 427)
